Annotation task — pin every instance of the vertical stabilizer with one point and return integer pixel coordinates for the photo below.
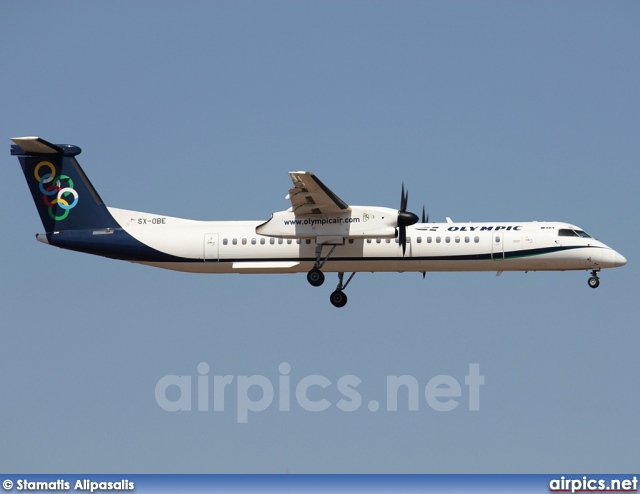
(63, 195)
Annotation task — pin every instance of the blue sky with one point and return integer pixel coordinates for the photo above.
(511, 111)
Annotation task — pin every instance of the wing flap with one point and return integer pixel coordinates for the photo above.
(310, 196)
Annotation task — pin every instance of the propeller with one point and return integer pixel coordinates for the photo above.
(405, 219)
(425, 217)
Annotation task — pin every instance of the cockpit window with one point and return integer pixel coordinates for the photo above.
(567, 232)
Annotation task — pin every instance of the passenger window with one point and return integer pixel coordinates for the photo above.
(476, 239)
(308, 241)
(498, 239)
(466, 240)
(262, 241)
(378, 240)
(408, 240)
(389, 240)
(368, 240)
(438, 239)
(280, 241)
(225, 241)
(289, 241)
(350, 240)
(457, 240)
(234, 241)
(447, 239)
(244, 241)
(428, 240)
(419, 240)
(298, 241)
(272, 240)
(253, 241)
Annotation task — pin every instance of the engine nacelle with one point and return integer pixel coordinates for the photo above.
(359, 222)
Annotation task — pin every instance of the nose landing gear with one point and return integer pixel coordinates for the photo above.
(594, 281)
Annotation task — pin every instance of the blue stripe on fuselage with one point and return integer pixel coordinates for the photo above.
(115, 244)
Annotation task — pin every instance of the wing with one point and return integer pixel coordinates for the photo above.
(310, 196)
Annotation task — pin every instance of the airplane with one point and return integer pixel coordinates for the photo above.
(319, 233)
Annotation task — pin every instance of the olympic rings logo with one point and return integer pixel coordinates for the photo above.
(60, 186)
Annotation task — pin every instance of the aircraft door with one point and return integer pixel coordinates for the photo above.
(211, 247)
(497, 250)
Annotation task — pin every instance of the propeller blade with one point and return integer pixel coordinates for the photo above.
(405, 219)
(424, 217)
(404, 199)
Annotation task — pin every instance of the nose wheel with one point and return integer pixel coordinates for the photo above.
(594, 281)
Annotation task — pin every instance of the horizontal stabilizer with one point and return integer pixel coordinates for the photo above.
(36, 145)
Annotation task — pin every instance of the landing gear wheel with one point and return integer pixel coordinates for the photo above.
(594, 282)
(315, 277)
(338, 298)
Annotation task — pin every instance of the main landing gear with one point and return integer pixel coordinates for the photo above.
(338, 298)
(315, 277)
(594, 281)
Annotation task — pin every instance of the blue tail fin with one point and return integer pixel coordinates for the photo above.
(64, 196)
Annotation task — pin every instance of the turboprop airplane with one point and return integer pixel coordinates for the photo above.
(319, 233)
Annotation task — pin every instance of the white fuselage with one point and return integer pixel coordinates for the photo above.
(235, 247)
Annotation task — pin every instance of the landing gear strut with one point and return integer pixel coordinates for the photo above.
(338, 298)
(594, 281)
(315, 277)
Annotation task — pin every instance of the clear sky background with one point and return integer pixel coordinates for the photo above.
(511, 111)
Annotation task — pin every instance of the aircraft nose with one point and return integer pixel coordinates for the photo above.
(619, 259)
